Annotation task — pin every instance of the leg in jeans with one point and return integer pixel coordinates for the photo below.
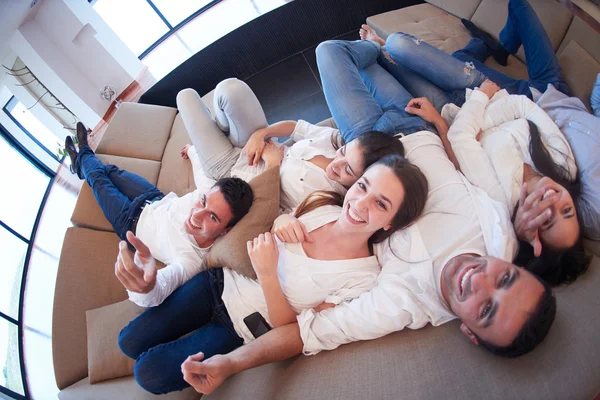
(524, 27)
(343, 65)
(155, 339)
(117, 207)
(217, 154)
(130, 184)
(237, 111)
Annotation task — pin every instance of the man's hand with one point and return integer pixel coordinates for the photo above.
(184, 151)
(423, 108)
(289, 229)
(489, 88)
(206, 376)
(532, 213)
(264, 255)
(136, 272)
(272, 154)
(255, 146)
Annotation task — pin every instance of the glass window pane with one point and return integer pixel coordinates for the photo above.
(10, 367)
(134, 21)
(38, 130)
(177, 11)
(13, 252)
(23, 187)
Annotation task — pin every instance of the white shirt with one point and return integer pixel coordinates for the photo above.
(299, 177)
(305, 282)
(458, 219)
(161, 228)
(495, 163)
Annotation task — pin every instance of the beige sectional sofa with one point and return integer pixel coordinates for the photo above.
(429, 363)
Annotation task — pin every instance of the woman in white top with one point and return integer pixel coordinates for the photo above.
(512, 149)
(319, 160)
(224, 310)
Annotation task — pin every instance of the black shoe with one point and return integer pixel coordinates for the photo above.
(499, 53)
(72, 152)
(81, 135)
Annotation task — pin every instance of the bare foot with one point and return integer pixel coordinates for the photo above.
(368, 33)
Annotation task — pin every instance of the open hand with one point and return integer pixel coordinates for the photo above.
(184, 151)
(289, 229)
(423, 108)
(137, 273)
(264, 255)
(254, 147)
(205, 376)
(532, 213)
(489, 88)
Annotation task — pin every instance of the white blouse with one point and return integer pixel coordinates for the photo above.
(299, 177)
(306, 282)
(495, 162)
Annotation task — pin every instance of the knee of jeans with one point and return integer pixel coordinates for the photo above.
(231, 89)
(324, 48)
(401, 42)
(148, 374)
(187, 95)
(128, 344)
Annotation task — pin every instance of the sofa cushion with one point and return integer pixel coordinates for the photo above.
(122, 388)
(462, 9)
(437, 363)
(491, 16)
(426, 22)
(176, 173)
(230, 251)
(86, 280)
(514, 68)
(580, 70)
(584, 35)
(105, 359)
(88, 213)
(138, 131)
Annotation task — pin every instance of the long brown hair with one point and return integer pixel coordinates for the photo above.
(415, 189)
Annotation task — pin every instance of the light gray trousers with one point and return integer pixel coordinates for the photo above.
(238, 114)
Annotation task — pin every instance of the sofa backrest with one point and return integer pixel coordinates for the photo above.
(461, 9)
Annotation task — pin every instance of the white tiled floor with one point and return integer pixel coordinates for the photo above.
(203, 30)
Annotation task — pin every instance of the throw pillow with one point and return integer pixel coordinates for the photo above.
(230, 251)
(105, 359)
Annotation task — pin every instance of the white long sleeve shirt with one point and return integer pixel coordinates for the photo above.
(305, 282)
(299, 177)
(458, 219)
(161, 228)
(495, 162)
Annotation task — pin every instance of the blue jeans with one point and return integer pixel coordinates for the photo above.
(361, 95)
(443, 78)
(120, 194)
(154, 339)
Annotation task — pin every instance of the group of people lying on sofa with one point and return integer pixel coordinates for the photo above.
(471, 214)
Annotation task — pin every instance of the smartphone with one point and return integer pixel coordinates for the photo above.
(256, 324)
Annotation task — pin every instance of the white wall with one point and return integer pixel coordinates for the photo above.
(74, 53)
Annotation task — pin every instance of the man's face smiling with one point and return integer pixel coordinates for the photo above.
(209, 217)
(492, 298)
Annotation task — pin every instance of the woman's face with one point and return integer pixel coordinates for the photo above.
(561, 230)
(373, 201)
(347, 166)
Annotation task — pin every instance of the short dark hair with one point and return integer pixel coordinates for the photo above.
(238, 194)
(533, 332)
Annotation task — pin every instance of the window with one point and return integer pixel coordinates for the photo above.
(29, 124)
(25, 188)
